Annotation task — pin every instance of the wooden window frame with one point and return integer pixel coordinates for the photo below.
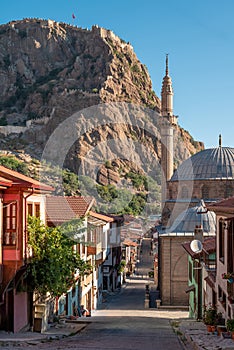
(10, 223)
(36, 209)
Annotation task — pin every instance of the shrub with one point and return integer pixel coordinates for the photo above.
(230, 325)
(14, 164)
(3, 121)
(210, 316)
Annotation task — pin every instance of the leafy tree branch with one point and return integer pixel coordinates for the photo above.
(52, 267)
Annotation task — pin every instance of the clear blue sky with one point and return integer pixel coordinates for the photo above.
(198, 35)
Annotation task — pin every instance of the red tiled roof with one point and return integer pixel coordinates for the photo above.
(117, 218)
(4, 182)
(209, 246)
(130, 243)
(60, 209)
(101, 216)
(225, 204)
(20, 179)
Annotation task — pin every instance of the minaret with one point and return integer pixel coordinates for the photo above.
(166, 133)
(167, 97)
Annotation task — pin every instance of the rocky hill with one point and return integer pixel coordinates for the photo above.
(80, 99)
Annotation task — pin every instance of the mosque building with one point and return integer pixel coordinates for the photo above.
(203, 178)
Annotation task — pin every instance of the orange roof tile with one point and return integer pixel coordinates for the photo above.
(101, 216)
(60, 209)
(130, 243)
(116, 217)
(20, 179)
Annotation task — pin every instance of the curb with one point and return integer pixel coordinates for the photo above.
(184, 339)
(44, 337)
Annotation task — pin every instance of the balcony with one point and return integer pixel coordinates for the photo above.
(94, 249)
(91, 250)
(210, 264)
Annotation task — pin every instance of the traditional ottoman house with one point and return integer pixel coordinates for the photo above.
(61, 209)
(20, 196)
(94, 246)
(98, 232)
(102, 240)
(201, 275)
(112, 264)
(130, 251)
(224, 279)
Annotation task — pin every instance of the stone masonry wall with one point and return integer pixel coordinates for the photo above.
(174, 270)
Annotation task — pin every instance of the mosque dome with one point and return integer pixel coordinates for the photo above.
(210, 164)
(192, 217)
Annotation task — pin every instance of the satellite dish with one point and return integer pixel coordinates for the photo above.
(196, 246)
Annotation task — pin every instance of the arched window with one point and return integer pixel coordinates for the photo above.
(205, 192)
(184, 192)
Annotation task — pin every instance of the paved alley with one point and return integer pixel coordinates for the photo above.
(122, 322)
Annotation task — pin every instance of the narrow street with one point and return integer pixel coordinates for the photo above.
(123, 322)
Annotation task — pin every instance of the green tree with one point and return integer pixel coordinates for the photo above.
(108, 193)
(87, 186)
(70, 183)
(54, 262)
(138, 181)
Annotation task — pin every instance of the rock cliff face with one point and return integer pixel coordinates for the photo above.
(49, 71)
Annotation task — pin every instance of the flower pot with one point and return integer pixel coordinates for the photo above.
(210, 328)
(230, 280)
(221, 329)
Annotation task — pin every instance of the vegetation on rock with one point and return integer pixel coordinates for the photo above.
(13, 163)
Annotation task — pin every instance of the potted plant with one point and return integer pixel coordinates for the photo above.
(228, 276)
(220, 325)
(230, 326)
(210, 318)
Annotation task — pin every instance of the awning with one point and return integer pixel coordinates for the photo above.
(190, 289)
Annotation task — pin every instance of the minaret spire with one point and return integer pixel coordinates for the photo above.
(167, 71)
(167, 97)
(220, 140)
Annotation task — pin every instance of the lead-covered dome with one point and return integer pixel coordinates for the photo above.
(192, 217)
(212, 163)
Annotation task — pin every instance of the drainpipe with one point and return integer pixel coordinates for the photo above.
(25, 223)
